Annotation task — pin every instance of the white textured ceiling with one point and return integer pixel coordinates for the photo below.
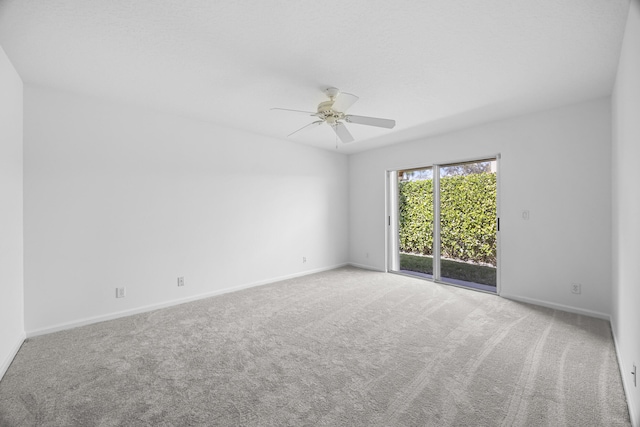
(432, 65)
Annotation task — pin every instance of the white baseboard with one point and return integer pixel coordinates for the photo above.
(625, 383)
(146, 308)
(560, 307)
(12, 354)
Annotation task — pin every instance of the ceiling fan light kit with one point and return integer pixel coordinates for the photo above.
(332, 112)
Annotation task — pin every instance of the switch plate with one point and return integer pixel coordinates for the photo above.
(120, 292)
(181, 281)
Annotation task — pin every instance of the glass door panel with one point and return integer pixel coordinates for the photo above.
(468, 224)
(416, 221)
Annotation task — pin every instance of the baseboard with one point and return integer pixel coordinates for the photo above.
(12, 354)
(151, 307)
(365, 267)
(560, 307)
(625, 384)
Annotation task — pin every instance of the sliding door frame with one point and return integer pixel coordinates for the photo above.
(392, 243)
(392, 246)
(436, 223)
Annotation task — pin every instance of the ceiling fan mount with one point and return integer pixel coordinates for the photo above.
(332, 92)
(332, 112)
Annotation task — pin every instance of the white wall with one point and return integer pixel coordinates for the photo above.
(120, 196)
(556, 164)
(625, 317)
(11, 244)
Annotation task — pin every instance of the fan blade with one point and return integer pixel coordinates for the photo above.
(371, 121)
(343, 102)
(313, 113)
(312, 124)
(341, 130)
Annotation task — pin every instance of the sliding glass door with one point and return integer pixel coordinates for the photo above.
(416, 221)
(444, 223)
(468, 224)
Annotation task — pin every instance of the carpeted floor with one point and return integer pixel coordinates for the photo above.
(345, 347)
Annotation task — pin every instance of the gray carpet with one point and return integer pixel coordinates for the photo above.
(345, 347)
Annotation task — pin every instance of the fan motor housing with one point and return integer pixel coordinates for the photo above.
(327, 113)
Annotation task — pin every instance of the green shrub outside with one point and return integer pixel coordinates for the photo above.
(467, 213)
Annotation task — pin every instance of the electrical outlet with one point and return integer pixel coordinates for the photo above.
(576, 288)
(180, 281)
(120, 292)
(367, 255)
(525, 215)
(304, 259)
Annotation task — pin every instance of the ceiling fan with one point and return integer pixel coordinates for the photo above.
(332, 112)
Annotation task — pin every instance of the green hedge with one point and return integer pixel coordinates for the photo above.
(468, 217)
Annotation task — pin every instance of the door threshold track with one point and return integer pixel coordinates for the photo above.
(453, 282)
